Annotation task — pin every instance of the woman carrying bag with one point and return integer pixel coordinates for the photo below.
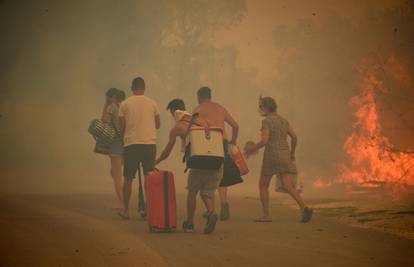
(115, 149)
(278, 158)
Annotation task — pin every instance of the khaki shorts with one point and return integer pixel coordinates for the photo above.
(205, 181)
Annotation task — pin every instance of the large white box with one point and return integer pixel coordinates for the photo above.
(206, 149)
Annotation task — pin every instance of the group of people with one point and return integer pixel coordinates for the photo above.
(137, 119)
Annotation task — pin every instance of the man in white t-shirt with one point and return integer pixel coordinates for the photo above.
(139, 119)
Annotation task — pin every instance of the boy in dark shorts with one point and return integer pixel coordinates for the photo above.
(138, 119)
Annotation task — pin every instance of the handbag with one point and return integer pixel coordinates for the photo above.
(104, 132)
(231, 172)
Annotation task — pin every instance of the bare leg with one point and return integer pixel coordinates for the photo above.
(209, 202)
(289, 187)
(116, 173)
(225, 208)
(223, 194)
(127, 195)
(191, 206)
(264, 195)
(212, 216)
(205, 214)
(204, 202)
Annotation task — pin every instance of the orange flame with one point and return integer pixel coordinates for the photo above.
(374, 161)
(321, 183)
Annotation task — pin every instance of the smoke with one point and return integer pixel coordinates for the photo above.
(59, 57)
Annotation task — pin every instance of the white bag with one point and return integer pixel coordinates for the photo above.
(205, 149)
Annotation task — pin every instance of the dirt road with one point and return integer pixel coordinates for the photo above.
(80, 230)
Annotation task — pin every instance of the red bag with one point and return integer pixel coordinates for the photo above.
(161, 201)
(239, 160)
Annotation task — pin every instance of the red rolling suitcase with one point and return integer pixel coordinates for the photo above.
(161, 202)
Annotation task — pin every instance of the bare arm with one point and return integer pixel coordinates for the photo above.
(106, 104)
(169, 147)
(293, 142)
(234, 126)
(259, 145)
(121, 121)
(157, 122)
(106, 117)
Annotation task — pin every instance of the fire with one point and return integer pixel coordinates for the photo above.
(321, 183)
(373, 160)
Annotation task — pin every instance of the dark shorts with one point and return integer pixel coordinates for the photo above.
(138, 154)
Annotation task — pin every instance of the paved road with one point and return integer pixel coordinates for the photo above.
(78, 230)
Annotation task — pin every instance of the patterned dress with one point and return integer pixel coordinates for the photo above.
(276, 157)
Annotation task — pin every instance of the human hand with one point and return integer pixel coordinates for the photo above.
(249, 149)
(247, 153)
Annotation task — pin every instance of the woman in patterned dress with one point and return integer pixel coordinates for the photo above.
(278, 158)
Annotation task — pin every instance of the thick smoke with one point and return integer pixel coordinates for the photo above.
(59, 57)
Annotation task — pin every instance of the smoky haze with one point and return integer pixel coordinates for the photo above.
(59, 57)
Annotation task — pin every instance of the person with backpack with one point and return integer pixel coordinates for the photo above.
(203, 181)
(216, 115)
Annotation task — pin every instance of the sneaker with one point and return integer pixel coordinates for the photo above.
(142, 214)
(211, 223)
(205, 215)
(307, 215)
(188, 228)
(224, 212)
(123, 215)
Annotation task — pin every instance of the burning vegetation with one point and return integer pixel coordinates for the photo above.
(373, 160)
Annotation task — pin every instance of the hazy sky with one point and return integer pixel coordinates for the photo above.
(254, 36)
(59, 57)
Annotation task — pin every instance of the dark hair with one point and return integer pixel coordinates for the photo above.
(269, 103)
(176, 104)
(111, 92)
(138, 84)
(120, 95)
(204, 93)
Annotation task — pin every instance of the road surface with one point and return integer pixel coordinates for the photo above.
(80, 230)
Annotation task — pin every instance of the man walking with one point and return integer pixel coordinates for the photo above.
(216, 116)
(139, 118)
(204, 182)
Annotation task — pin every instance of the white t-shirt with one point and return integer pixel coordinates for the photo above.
(139, 112)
